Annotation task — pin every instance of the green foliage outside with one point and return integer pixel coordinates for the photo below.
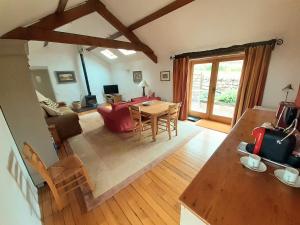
(228, 97)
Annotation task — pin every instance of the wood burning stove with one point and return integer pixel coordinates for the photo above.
(90, 100)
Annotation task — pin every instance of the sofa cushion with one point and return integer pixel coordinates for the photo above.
(51, 110)
(144, 99)
(140, 99)
(50, 103)
(65, 110)
(40, 97)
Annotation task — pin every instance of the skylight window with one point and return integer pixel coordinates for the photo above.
(109, 54)
(127, 52)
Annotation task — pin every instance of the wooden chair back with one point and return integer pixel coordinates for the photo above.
(135, 114)
(35, 161)
(173, 111)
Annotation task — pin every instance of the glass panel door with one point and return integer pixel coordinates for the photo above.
(228, 79)
(201, 74)
(214, 87)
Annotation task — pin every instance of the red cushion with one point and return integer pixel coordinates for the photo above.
(144, 99)
(140, 99)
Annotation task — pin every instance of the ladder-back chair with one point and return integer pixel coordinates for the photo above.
(62, 177)
(139, 122)
(170, 120)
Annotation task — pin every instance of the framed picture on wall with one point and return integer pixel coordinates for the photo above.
(137, 76)
(165, 76)
(63, 77)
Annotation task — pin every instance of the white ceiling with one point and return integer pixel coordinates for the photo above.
(202, 24)
(14, 13)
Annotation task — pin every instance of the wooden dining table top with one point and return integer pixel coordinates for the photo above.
(155, 107)
(226, 193)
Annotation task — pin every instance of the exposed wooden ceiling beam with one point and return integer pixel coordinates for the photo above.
(61, 6)
(106, 14)
(37, 34)
(60, 9)
(153, 16)
(56, 20)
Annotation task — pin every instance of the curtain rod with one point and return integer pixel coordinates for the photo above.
(228, 50)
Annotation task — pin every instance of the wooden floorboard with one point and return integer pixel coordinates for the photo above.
(151, 199)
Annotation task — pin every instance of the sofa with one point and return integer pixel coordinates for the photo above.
(117, 118)
(67, 124)
(62, 121)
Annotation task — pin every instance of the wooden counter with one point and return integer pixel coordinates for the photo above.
(226, 193)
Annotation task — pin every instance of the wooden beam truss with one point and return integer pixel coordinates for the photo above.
(43, 30)
(153, 16)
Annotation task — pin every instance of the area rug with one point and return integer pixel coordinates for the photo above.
(114, 159)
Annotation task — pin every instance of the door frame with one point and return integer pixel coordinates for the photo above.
(212, 85)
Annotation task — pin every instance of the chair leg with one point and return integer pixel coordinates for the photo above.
(169, 128)
(141, 130)
(175, 123)
(58, 200)
(91, 185)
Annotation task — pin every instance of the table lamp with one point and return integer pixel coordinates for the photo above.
(287, 89)
(143, 84)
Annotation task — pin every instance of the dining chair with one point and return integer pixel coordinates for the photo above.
(140, 123)
(170, 119)
(62, 177)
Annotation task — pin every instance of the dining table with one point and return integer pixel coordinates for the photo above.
(154, 109)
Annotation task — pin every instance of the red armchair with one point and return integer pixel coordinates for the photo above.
(117, 119)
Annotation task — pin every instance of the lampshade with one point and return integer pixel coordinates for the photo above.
(143, 84)
(287, 88)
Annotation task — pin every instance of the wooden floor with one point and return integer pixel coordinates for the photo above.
(151, 199)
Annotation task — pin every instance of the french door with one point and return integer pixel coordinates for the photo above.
(214, 87)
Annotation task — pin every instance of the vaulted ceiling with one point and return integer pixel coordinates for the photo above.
(44, 29)
(202, 24)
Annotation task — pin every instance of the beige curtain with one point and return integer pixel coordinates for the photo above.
(181, 85)
(253, 79)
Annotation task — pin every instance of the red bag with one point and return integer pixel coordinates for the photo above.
(297, 101)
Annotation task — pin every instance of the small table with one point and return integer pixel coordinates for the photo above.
(154, 110)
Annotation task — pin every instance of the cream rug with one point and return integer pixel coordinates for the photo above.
(113, 158)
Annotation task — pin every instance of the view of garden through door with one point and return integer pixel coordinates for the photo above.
(214, 87)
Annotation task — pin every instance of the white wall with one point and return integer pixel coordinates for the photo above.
(19, 198)
(99, 74)
(62, 57)
(19, 102)
(57, 57)
(122, 75)
(203, 25)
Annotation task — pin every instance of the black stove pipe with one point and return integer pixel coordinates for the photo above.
(85, 74)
